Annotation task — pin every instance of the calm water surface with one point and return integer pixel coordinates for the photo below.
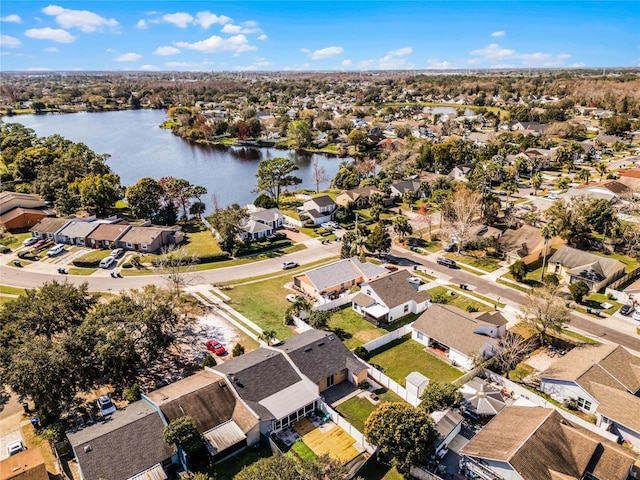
(140, 148)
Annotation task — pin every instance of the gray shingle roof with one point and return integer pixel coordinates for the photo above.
(109, 232)
(257, 375)
(395, 290)
(128, 442)
(572, 258)
(79, 229)
(343, 271)
(49, 225)
(268, 215)
(319, 354)
(322, 201)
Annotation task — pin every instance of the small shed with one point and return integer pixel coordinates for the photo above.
(416, 383)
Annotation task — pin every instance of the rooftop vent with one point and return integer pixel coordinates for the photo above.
(221, 384)
(87, 448)
(308, 349)
(320, 344)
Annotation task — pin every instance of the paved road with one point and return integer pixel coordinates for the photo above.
(515, 297)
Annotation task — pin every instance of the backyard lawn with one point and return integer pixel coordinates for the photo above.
(459, 300)
(357, 409)
(403, 356)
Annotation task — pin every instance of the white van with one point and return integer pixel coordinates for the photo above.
(55, 250)
(107, 262)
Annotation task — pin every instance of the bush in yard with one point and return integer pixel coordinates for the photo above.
(471, 308)
(551, 279)
(127, 265)
(237, 350)
(132, 394)
(438, 396)
(579, 290)
(135, 261)
(183, 432)
(439, 298)
(518, 269)
(362, 352)
(319, 319)
(209, 361)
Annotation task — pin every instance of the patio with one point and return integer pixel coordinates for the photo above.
(327, 439)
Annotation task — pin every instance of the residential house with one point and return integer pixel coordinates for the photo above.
(107, 234)
(526, 244)
(537, 443)
(461, 172)
(478, 138)
(48, 227)
(319, 209)
(26, 465)
(601, 379)
(607, 187)
(324, 359)
(359, 197)
(21, 210)
(630, 177)
(126, 445)
(328, 281)
(150, 239)
(390, 144)
(391, 297)
(226, 424)
(535, 128)
(272, 217)
(458, 335)
(597, 193)
(400, 188)
(539, 157)
(268, 383)
(76, 232)
(254, 230)
(573, 265)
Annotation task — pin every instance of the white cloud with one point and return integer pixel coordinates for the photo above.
(206, 19)
(39, 69)
(499, 33)
(110, 50)
(365, 64)
(394, 59)
(245, 27)
(346, 62)
(7, 41)
(179, 19)
(166, 51)
(305, 50)
(214, 44)
(83, 19)
(13, 18)
(180, 64)
(434, 63)
(496, 57)
(262, 37)
(142, 24)
(323, 53)
(578, 65)
(149, 68)
(51, 49)
(564, 56)
(48, 33)
(128, 57)
(493, 51)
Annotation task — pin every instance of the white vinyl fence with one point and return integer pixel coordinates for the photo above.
(347, 427)
(388, 338)
(394, 386)
(337, 303)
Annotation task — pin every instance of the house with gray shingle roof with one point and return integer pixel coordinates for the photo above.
(319, 209)
(537, 443)
(458, 335)
(603, 380)
(391, 297)
(324, 359)
(48, 227)
(573, 265)
(76, 231)
(150, 238)
(329, 281)
(126, 444)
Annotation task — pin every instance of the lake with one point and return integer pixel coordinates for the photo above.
(138, 148)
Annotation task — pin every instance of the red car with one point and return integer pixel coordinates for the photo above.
(215, 347)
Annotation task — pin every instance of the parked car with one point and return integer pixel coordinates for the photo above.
(116, 253)
(107, 262)
(447, 262)
(292, 297)
(626, 310)
(451, 247)
(39, 243)
(390, 267)
(276, 236)
(29, 241)
(15, 447)
(287, 265)
(105, 405)
(215, 347)
(636, 315)
(56, 250)
(291, 228)
(415, 280)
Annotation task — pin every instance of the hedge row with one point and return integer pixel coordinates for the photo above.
(86, 263)
(262, 247)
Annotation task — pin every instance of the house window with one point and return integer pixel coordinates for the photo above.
(330, 381)
(583, 404)
(420, 335)
(406, 308)
(368, 292)
(129, 245)
(143, 246)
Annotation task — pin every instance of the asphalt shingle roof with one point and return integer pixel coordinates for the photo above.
(573, 258)
(343, 271)
(49, 225)
(395, 290)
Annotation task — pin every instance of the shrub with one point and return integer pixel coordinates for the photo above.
(471, 308)
(209, 361)
(249, 249)
(362, 352)
(213, 257)
(551, 279)
(127, 265)
(135, 261)
(518, 269)
(579, 290)
(237, 350)
(132, 394)
(85, 263)
(439, 298)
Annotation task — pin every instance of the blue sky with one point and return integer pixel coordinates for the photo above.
(317, 35)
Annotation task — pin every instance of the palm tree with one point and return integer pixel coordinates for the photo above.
(547, 232)
(510, 188)
(583, 175)
(359, 247)
(536, 182)
(602, 169)
(561, 156)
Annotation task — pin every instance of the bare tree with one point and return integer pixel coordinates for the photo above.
(512, 349)
(544, 310)
(176, 265)
(462, 213)
(319, 173)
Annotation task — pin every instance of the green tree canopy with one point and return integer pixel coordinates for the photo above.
(98, 192)
(579, 290)
(145, 197)
(183, 432)
(403, 434)
(300, 132)
(438, 396)
(228, 223)
(379, 241)
(274, 174)
(518, 269)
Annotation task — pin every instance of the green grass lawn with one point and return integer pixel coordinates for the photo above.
(520, 372)
(352, 329)
(459, 300)
(11, 290)
(483, 263)
(94, 256)
(403, 356)
(81, 271)
(263, 303)
(202, 243)
(594, 300)
(380, 471)
(14, 240)
(231, 467)
(357, 409)
(303, 450)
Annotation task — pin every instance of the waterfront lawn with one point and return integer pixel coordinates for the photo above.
(404, 355)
